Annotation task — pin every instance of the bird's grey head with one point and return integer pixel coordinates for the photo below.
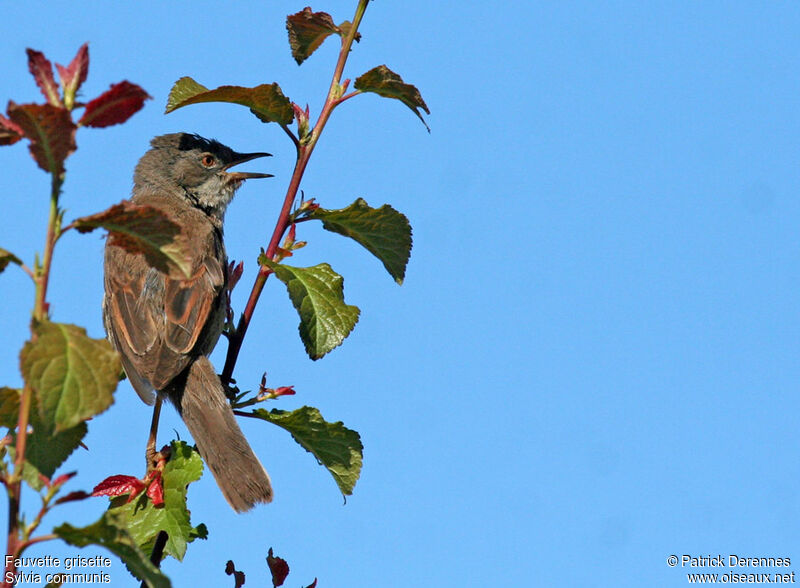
(194, 168)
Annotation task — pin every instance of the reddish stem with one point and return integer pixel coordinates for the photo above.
(350, 95)
(235, 341)
(304, 150)
(13, 543)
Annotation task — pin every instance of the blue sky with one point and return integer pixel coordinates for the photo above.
(592, 364)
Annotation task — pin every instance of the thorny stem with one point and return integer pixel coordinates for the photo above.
(304, 150)
(41, 275)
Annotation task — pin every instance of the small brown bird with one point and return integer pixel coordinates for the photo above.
(165, 327)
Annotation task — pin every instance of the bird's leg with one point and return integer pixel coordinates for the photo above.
(150, 451)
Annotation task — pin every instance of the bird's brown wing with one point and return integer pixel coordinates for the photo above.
(191, 305)
(158, 323)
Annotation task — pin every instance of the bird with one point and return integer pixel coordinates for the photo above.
(165, 327)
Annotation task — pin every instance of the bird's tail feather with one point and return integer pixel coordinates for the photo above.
(206, 412)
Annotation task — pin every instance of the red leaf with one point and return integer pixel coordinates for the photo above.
(308, 206)
(307, 30)
(238, 577)
(42, 71)
(143, 229)
(72, 496)
(10, 133)
(119, 485)
(278, 567)
(299, 113)
(60, 480)
(155, 490)
(73, 76)
(50, 131)
(114, 106)
(234, 274)
(313, 584)
(284, 391)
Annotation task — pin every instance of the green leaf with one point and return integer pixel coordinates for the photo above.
(30, 474)
(317, 294)
(266, 101)
(147, 230)
(344, 29)
(144, 520)
(72, 375)
(110, 532)
(383, 231)
(9, 406)
(388, 84)
(46, 450)
(307, 30)
(335, 446)
(50, 130)
(7, 257)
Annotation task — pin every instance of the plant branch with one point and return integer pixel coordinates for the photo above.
(35, 540)
(158, 552)
(246, 414)
(348, 96)
(39, 314)
(291, 135)
(304, 151)
(347, 41)
(31, 528)
(235, 341)
(150, 449)
(28, 271)
(41, 276)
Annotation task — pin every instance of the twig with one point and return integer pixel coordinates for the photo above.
(289, 132)
(41, 276)
(28, 271)
(348, 96)
(304, 151)
(39, 539)
(158, 552)
(150, 451)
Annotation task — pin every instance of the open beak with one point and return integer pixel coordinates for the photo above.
(241, 158)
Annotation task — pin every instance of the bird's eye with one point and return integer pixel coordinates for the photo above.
(208, 160)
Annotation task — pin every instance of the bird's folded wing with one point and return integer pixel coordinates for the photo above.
(157, 321)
